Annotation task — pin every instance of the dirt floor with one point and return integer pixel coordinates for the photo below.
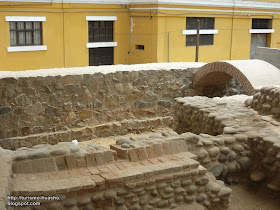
(243, 197)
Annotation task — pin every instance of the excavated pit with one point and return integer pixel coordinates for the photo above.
(183, 155)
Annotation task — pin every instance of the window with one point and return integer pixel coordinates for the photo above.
(25, 33)
(261, 24)
(100, 31)
(205, 38)
(260, 34)
(139, 47)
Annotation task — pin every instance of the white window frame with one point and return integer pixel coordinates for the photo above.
(26, 19)
(101, 18)
(202, 31)
(261, 31)
(101, 44)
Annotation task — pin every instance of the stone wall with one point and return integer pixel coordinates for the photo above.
(157, 172)
(266, 102)
(237, 141)
(36, 110)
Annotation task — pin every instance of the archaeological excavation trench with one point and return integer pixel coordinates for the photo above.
(204, 144)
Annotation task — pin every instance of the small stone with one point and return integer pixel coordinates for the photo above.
(186, 183)
(229, 130)
(122, 140)
(201, 197)
(74, 148)
(69, 202)
(109, 194)
(214, 151)
(229, 139)
(39, 153)
(257, 176)
(179, 198)
(224, 192)
(232, 156)
(238, 148)
(154, 201)
(225, 150)
(245, 163)
(191, 190)
(189, 199)
(59, 151)
(83, 200)
(202, 154)
(216, 169)
(125, 145)
(163, 204)
(168, 190)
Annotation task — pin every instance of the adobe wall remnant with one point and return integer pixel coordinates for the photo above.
(37, 110)
(266, 102)
(244, 141)
(157, 172)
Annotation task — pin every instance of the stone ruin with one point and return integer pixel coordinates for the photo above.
(214, 141)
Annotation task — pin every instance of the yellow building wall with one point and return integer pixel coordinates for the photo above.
(179, 52)
(241, 38)
(52, 37)
(65, 33)
(143, 32)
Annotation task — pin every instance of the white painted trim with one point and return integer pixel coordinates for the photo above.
(261, 31)
(26, 18)
(101, 44)
(27, 48)
(200, 10)
(101, 18)
(202, 31)
(209, 3)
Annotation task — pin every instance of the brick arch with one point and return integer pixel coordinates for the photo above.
(251, 74)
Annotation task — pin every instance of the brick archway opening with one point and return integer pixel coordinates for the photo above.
(212, 79)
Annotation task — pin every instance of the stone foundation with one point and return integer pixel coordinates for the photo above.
(54, 107)
(236, 140)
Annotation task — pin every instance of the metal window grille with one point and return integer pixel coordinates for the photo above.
(205, 23)
(261, 24)
(100, 31)
(25, 33)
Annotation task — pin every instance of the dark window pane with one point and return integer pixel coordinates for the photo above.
(204, 39)
(25, 33)
(100, 31)
(261, 23)
(205, 23)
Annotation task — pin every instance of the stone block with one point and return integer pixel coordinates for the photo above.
(81, 162)
(98, 180)
(51, 166)
(90, 160)
(93, 170)
(133, 155)
(71, 161)
(182, 146)
(108, 156)
(173, 147)
(142, 154)
(16, 167)
(166, 148)
(99, 158)
(61, 162)
(158, 150)
(26, 166)
(123, 153)
(151, 152)
(39, 165)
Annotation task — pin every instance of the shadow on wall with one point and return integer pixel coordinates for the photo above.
(233, 87)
